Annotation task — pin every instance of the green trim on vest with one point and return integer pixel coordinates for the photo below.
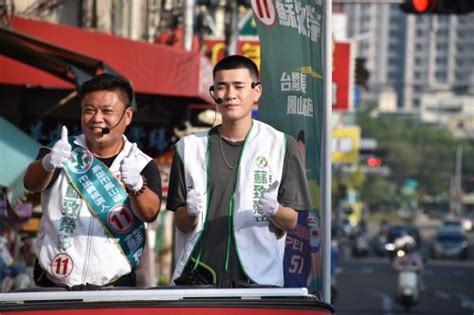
(231, 230)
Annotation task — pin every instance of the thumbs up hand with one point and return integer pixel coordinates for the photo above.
(129, 171)
(59, 155)
(194, 203)
(268, 204)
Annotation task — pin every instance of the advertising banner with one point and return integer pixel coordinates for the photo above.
(250, 48)
(345, 145)
(342, 74)
(290, 33)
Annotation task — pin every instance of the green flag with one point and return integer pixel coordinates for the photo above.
(290, 33)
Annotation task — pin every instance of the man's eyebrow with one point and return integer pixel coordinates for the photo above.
(233, 82)
(105, 106)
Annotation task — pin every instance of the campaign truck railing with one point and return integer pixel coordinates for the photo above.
(166, 301)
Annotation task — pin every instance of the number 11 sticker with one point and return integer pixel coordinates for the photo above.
(62, 265)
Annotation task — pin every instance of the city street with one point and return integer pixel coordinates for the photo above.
(155, 144)
(367, 286)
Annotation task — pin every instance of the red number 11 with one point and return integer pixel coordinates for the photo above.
(65, 262)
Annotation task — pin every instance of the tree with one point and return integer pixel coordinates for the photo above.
(379, 194)
(417, 151)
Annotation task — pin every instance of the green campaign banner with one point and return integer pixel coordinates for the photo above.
(291, 34)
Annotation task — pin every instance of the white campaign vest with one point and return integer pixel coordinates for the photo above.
(259, 249)
(79, 251)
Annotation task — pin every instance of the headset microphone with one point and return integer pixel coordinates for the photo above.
(106, 130)
(218, 100)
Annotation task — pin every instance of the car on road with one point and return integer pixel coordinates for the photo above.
(463, 223)
(450, 242)
(451, 223)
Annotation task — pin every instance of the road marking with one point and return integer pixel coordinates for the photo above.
(387, 303)
(442, 294)
(451, 263)
(466, 302)
(367, 270)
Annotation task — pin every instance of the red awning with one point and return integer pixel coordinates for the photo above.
(152, 68)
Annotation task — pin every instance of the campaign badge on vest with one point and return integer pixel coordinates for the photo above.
(262, 178)
(62, 265)
(120, 219)
(261, 162)
(81, 160)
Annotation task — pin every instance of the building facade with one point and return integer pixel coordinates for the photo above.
(412, 54)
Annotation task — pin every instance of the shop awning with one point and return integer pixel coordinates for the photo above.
(17, 151)
(65, 64)
(153, 69)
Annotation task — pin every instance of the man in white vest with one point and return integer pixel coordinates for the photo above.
(97, 190)
(235, 190)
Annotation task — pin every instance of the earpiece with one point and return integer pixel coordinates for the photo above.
(254, 84)
(218, 100)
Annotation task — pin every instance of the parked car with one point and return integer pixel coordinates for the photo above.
(450, 242)
(463, 223)
(452, 223)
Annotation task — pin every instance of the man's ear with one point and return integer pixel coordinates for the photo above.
(128, 115)
(257, 92)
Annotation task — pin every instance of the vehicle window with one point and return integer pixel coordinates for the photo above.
(450, 238)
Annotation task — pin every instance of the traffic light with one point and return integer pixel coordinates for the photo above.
(361, 73)
(374, 162)
(437, 6)
(372, 158)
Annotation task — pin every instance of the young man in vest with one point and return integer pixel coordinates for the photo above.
(235, 189)
(97, 190)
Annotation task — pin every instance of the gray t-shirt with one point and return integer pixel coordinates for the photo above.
(292, 193)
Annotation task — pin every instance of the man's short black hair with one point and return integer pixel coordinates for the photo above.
(109, 82)
(300, 136)
(236, 62)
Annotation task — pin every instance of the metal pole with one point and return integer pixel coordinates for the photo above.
(188, 25)
(458, 182)
(326, 156)
(231, 30)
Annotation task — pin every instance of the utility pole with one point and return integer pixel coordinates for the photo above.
(457, 185)
(188, 25)
(231, 27)
(326, 156)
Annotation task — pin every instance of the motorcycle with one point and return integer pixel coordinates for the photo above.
(408, 290)
(360, 246)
